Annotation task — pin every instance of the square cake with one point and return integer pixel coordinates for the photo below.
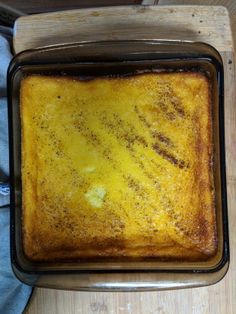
(117, 167)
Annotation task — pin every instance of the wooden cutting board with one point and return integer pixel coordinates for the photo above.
(209, 24)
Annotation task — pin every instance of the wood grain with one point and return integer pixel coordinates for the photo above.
(229, 4)
(170, 22)
(200, 23)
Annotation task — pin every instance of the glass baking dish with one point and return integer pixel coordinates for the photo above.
(107, 58)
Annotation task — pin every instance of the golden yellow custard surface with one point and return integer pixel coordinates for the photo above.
(117, 167)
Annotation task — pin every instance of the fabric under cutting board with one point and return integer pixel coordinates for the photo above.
(14, 295)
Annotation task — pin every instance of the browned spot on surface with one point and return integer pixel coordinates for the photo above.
(170, 103)
(79, 125)
(178, 106)
(203, 228)
(170, 116)
(107, 153)
(168, 156)
(162, 138)
(133, 184)
(199, 144)
(123, 131)
(163, 106)
(142, 117)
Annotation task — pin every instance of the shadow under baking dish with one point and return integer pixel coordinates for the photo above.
(119, 58)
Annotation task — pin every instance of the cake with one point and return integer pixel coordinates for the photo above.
(117, 168)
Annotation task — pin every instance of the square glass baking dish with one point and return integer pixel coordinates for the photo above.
(109, 58)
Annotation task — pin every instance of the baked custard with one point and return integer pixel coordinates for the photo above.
(117, 167)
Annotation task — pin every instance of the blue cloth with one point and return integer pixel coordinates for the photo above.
(13, 294)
